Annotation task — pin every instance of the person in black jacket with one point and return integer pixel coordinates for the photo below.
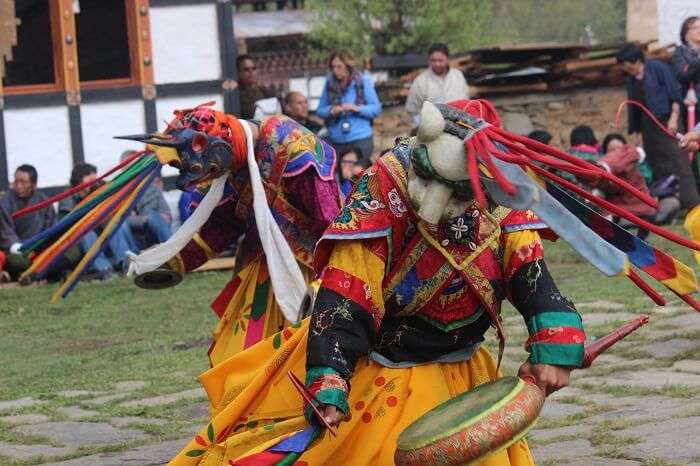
(686, 62)
(653, 84)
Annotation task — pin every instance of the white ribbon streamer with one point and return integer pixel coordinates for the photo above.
(152, 258)
(287, 280)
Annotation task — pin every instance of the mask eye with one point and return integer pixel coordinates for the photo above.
(199, 142)
(195, 168)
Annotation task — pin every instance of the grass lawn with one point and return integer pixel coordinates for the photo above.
(114, 331)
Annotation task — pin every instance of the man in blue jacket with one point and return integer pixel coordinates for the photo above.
(653, 84)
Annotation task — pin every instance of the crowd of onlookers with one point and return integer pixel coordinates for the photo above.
(649, 158)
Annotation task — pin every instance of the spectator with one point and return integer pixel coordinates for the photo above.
(151, 218)
(24, 193)
(348, 169)
(349, 104)
(103, 268)
(249, 89)
(541, 135)
(615, 141)
(686, 62)
(439, 84)
(296, 106)
(584, 143)
(653, 84)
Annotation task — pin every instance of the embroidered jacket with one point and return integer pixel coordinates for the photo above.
(298, 173)
(415, 292)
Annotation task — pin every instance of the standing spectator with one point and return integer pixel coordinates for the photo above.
(686, 62)
(349, 104)
(653, 84)
(117, 246)
(583, 143)
(296, 106)
(439, 84)
(23, 194)
(249, 90)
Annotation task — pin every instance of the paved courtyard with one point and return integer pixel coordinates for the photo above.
(638, 405)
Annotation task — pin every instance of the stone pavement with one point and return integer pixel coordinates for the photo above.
(638, 405)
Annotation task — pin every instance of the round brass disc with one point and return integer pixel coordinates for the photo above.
(158, 279)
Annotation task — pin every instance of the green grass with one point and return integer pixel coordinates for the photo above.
(110, 332)
(104, 333)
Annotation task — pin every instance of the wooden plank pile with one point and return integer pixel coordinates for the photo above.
(530, 68)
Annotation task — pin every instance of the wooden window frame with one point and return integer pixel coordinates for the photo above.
(131, 38)
(58, 85)
(59, 79)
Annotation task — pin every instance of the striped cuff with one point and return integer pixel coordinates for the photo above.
(556, 338)
(329, 388)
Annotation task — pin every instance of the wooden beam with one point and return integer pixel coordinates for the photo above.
(65, 45)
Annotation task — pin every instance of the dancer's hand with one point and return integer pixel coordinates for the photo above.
(332, 415)
(549, 378)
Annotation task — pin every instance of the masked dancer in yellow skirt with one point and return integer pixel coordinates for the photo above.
(414, 269)
(297, 174)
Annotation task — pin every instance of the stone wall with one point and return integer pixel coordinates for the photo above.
(557, 113)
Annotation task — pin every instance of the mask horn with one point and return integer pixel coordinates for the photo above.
(164, 146)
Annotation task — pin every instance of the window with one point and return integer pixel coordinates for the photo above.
(33, 57)
(103, 40)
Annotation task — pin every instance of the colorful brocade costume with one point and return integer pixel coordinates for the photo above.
(298, 173)
(396, 330)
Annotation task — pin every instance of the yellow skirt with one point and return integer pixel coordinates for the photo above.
(251, 314)
(254, 406)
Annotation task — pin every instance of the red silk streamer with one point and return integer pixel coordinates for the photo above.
(646, 288)
(597, 347)
(473, 170)
(645, 110)
(80, 187)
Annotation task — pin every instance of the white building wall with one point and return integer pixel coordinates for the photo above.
(185, 43)
(671, 14)
(39, 137)
(101, 122)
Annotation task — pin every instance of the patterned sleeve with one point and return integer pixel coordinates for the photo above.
(347, 314)
(553, 324)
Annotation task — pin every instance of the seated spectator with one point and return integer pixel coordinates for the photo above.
(584, 144)
(622, 161)
(296, 106)
(540, 135)
(151, 218)
(614, 141)
(122, 241)
(349, 169)
(23, 193)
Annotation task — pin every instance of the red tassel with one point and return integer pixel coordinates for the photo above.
(502, 181)
(669, 235)
(473, 170)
